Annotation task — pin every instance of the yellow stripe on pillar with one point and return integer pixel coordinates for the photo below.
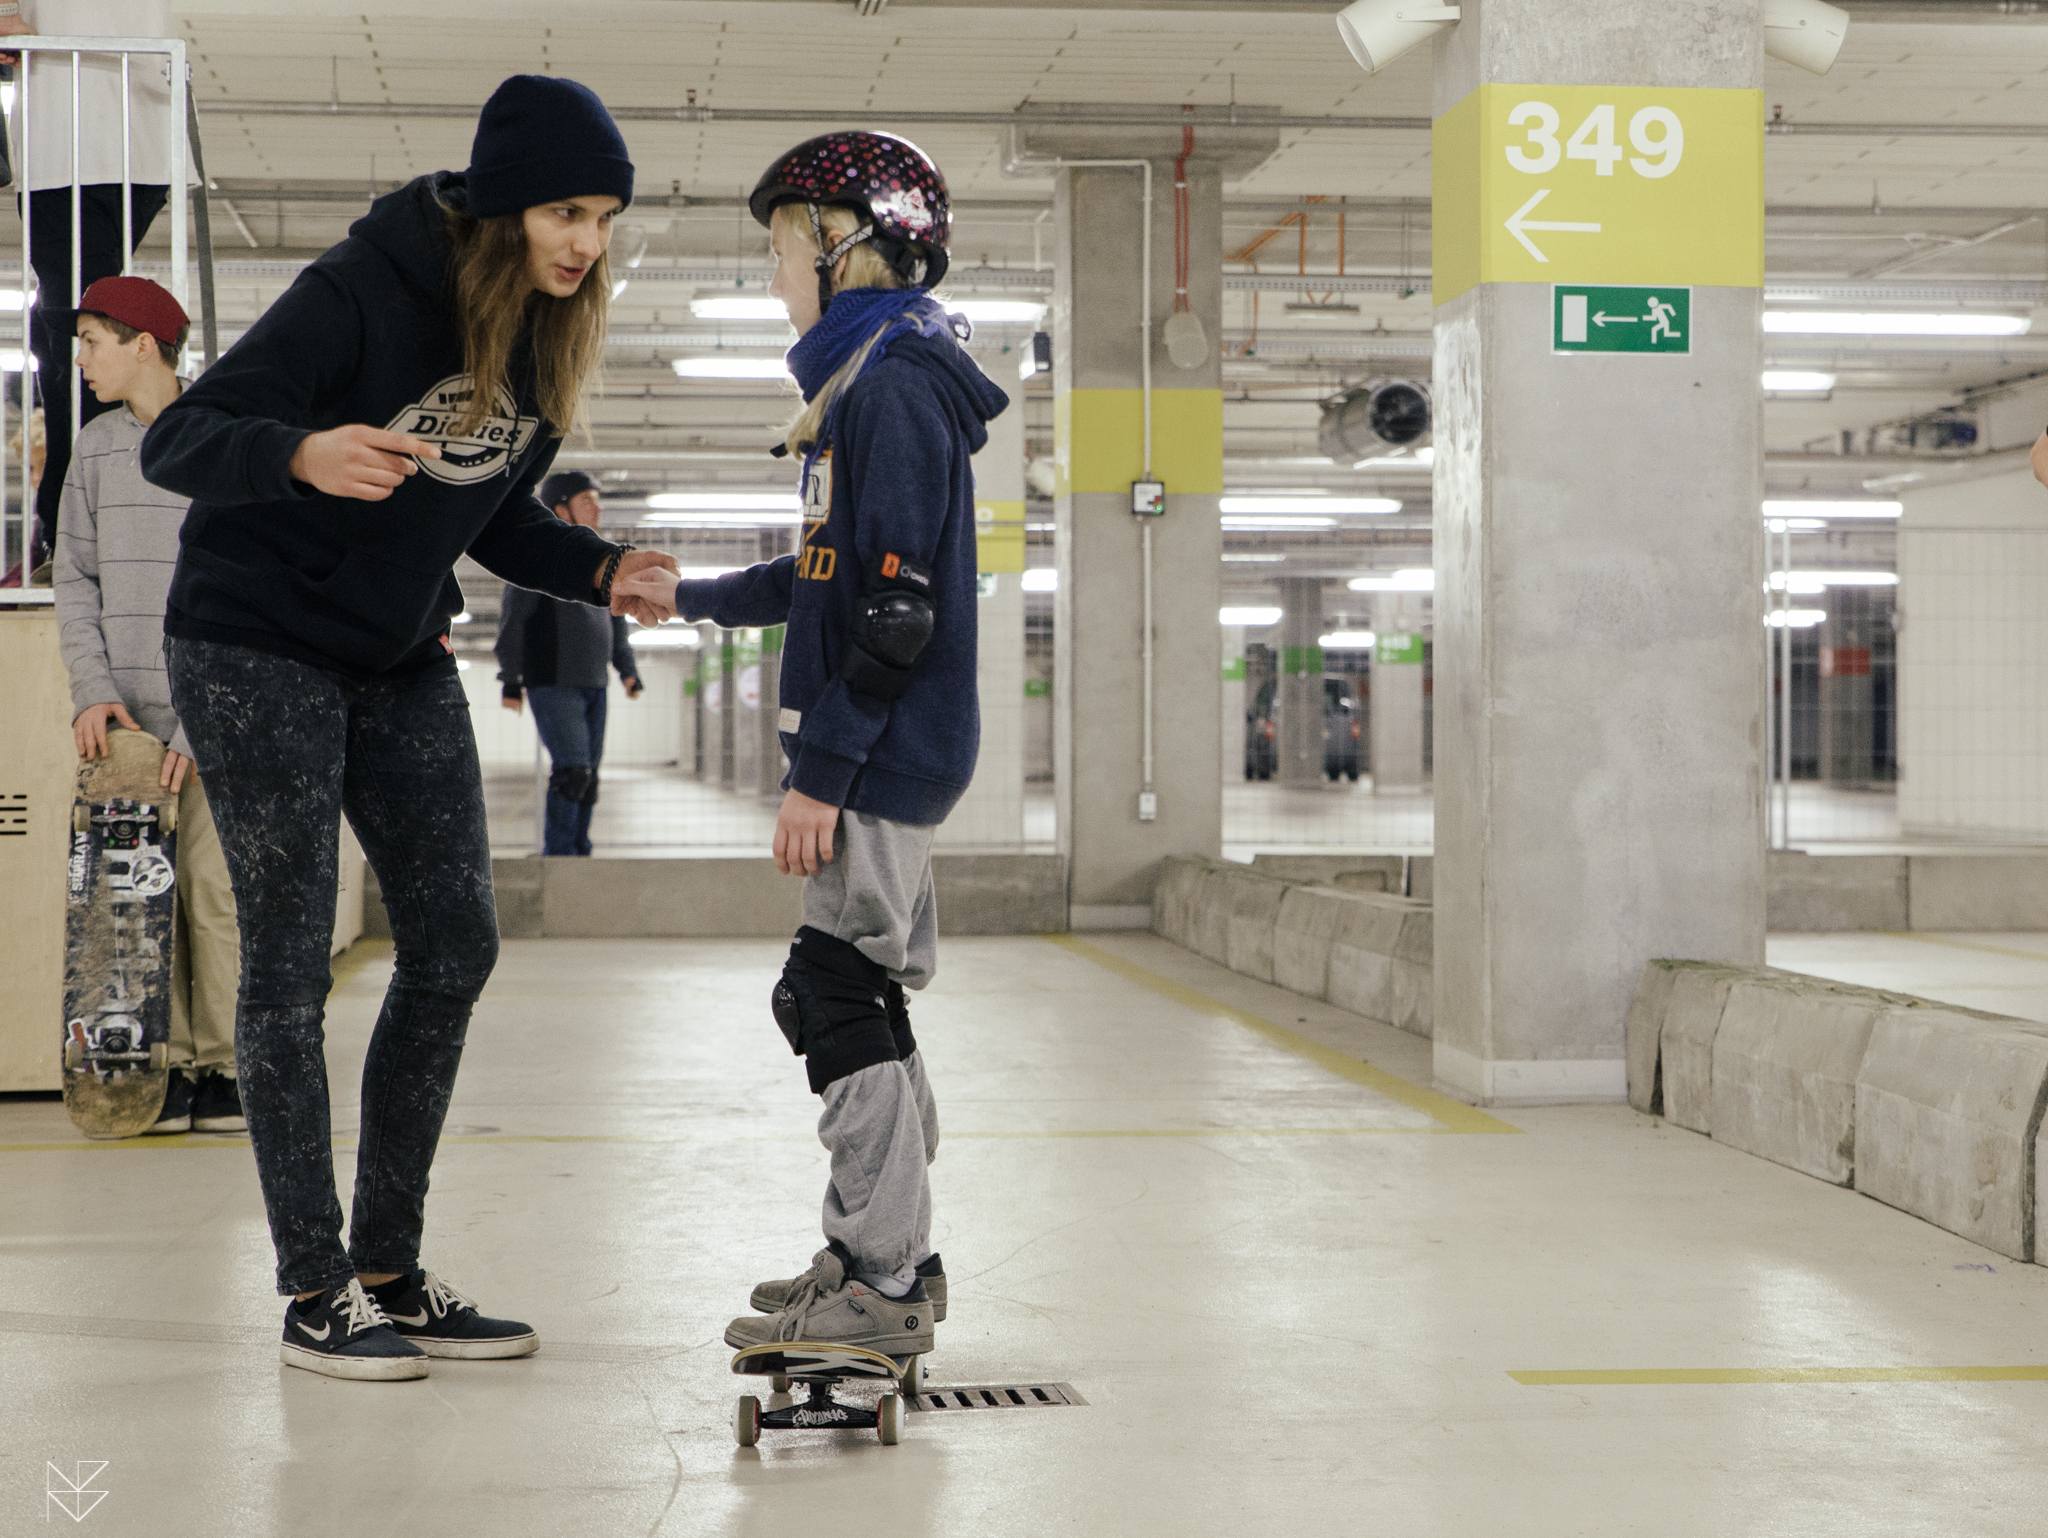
(998, 536)
(1099, 441)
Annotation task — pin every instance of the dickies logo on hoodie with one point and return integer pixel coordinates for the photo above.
(491, 449)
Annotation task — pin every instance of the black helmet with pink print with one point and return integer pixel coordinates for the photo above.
(889, 182)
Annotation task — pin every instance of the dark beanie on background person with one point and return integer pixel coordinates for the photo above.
(564, 484)
(540, 138)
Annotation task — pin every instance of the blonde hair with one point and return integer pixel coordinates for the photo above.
(865, 268)
(495, 300)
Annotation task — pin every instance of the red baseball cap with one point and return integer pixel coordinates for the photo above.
(138, 303)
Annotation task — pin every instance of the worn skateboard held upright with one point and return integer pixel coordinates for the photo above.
(119, 898)
(818, 1365)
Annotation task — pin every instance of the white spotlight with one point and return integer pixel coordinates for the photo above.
(1379, 31)
(1807, 33)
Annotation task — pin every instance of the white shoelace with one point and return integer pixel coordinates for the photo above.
(441, 1298)
(363, 1310)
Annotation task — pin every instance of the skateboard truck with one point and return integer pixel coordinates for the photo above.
(818, 1367)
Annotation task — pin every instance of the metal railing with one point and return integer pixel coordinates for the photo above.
(17, 499)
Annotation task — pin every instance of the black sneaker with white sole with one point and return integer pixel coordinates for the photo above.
(430, 1314)
(342, 1333)
(179, 1094)
(218, 1105)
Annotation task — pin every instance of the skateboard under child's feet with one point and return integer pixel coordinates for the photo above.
(818, 1365)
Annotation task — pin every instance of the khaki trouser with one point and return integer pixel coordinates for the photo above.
(206, 943)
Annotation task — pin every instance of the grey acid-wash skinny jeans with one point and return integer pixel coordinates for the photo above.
(286, 749)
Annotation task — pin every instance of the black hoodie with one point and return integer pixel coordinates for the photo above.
(366, 334)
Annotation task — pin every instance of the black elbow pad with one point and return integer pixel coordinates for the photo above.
(892, 624)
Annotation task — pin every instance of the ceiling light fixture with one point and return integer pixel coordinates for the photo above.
(1783, 379)
(1409, 579)
(1250, 616)
(1796, 619)
(1820, 581)
(1274, 523)
(1890, 323)
(729, 367)
(1804, 509)
(1308, 502)
(1347, 641)
(1042, 579)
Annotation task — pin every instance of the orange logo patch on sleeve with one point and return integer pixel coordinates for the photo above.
(890, 565)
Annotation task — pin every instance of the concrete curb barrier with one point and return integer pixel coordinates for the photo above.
(1830, 894)
(1685, 1046)
(1301, 939)
(1786, 1058)
(1254, 909)
(1374, 965)
(1948, 1118)
(1174, 898)
(1209, 934)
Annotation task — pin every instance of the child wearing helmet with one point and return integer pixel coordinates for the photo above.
(879, 718)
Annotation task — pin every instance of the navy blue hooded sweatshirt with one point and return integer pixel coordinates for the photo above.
(902, 485)
(366, 334)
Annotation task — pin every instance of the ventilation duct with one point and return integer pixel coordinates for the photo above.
(1373, 419)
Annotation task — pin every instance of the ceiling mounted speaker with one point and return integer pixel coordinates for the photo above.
(1379, 31)
(1187, 344)
(1808, 33)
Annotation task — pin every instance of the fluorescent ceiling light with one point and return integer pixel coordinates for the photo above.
(1248, 616)
(1347, 641)
(721, 520)
(1277, 524)
(1409, 579)
(728, 367)
(1803, 509)
(729, 501)
(1246, 555)
(996, 312)
(10, 360)
(738, 307)
(682, 635)
(1797, 525)
(1796, 379)
(1891, 323)
(1042, 579)
(1309, 502)
(1817, 581)
(10, 298)
(1796, 619)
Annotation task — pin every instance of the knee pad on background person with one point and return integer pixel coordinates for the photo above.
(899, 1018)
(832, 1005)
(572, 782)
(589, 796)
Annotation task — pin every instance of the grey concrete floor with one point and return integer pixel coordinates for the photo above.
(2005, 974)
(1291, 1283)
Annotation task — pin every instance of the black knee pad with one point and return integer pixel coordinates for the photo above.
(572, 782)
(832, 1005)
(899, 1018)
(589, 796)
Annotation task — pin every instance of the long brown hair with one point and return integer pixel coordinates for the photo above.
(495, 300)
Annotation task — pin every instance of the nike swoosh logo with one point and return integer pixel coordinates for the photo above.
(322, 1333)
(415, 1320)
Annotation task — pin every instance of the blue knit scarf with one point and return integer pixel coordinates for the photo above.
(853, 316)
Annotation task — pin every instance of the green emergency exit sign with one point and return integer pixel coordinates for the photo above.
(1595, 318)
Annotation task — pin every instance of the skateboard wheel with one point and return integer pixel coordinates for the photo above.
(159, 1056)
(74, 1055)
(167, 817)
(912, 1377)
(746, 1421)
(889, 1419)
(81, 819)
(779, 1383)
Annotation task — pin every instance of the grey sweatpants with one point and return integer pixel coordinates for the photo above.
(880, 1125)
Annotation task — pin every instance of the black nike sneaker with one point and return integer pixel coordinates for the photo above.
(430, 1314)
(342, 1333)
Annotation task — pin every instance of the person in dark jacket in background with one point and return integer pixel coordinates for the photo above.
(390, 412)
(879, 715)
(555, 653)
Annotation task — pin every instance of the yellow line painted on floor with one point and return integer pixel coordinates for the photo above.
(1710, 1375)
(1969, 945)
(1452, 1115)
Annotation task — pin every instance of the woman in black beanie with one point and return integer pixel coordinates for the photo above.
(392, 411)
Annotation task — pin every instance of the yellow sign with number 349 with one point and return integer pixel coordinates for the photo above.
(1598, 184)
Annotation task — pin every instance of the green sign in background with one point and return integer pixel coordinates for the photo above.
(1597, 318)
(1395, 649)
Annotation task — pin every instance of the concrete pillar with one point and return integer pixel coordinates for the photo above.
(1234, 703)
(1301, 680)
(1397, 699)
(992, 811)
(720, 699)
(1599, 726)
(1113, 848)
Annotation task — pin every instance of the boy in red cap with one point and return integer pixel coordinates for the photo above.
(117, 544)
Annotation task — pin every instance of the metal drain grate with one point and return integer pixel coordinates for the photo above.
(998, 1396)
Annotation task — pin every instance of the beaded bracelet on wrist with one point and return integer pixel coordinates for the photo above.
(611, 570)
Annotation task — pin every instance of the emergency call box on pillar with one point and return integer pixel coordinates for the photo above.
(1148, 499)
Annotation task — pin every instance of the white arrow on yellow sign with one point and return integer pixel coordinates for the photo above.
(1517, 223)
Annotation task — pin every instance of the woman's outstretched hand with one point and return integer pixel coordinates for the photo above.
(367, 463)
(645, 587)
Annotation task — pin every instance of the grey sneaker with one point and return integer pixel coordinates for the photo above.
(773, 1297)
(829, 1306)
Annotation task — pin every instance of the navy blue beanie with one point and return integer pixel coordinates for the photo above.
(540, 138)
(564, 484)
